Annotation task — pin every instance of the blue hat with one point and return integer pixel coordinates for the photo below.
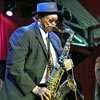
(46, 7)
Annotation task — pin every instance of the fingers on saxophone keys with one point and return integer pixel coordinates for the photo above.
(45, 96)
(41, 97)
(45, 93)
(48, 93)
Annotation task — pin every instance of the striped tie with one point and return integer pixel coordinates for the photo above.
(50, 59)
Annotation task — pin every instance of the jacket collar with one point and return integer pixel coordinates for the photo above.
(53, 39)
(56, 44)
(39, 37)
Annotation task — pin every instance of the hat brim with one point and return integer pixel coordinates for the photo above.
(38, 13)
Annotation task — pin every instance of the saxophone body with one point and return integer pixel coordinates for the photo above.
(53, 83)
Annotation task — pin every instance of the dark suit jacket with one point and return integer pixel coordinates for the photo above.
(26, 62)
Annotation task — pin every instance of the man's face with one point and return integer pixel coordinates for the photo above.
(49, 21)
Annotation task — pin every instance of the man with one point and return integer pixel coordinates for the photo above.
(28, 56)
(1, 84)
(97, 75)
(97, 70)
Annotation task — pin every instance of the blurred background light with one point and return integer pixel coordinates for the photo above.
(10, 7)
(9, 13)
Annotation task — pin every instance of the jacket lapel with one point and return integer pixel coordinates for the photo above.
(39, 37)
(56, 44)
(53, 39)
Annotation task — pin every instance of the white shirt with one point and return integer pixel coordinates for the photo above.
(44, 36)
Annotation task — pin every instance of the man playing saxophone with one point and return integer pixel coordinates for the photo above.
(29, 56)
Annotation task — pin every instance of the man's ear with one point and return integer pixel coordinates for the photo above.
(36, 18)
(39, 20)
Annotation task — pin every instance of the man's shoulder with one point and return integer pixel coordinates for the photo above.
(54, 35)
(24, 31)
(26, 28)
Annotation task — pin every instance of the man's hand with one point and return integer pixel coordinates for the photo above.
(68, 64)
(43, 92)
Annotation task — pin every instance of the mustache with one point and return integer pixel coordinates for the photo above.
(67, 30)
(55, 28)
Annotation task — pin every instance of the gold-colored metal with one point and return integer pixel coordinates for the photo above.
(71, 83)
(57, 72)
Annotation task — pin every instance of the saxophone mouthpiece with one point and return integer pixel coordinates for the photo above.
(55, 28)
(67, 30)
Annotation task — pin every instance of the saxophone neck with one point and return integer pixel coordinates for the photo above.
(67, 30)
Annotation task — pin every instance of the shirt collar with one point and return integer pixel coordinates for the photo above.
(44, 35)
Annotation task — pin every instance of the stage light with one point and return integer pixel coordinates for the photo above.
(9, 12)
(11, 6)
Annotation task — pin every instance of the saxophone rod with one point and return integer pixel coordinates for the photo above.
(80, 95)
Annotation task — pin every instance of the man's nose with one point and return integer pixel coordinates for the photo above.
(54, 23)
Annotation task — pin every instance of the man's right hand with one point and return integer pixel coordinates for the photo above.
(43, 92)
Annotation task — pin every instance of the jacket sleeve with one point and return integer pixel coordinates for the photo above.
(19, 45)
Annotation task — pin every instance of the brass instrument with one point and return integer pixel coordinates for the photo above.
(57, 72)
(58, 91)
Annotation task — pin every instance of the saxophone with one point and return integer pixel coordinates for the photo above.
(53, 83)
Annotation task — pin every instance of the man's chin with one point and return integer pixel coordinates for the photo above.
(50, 30)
